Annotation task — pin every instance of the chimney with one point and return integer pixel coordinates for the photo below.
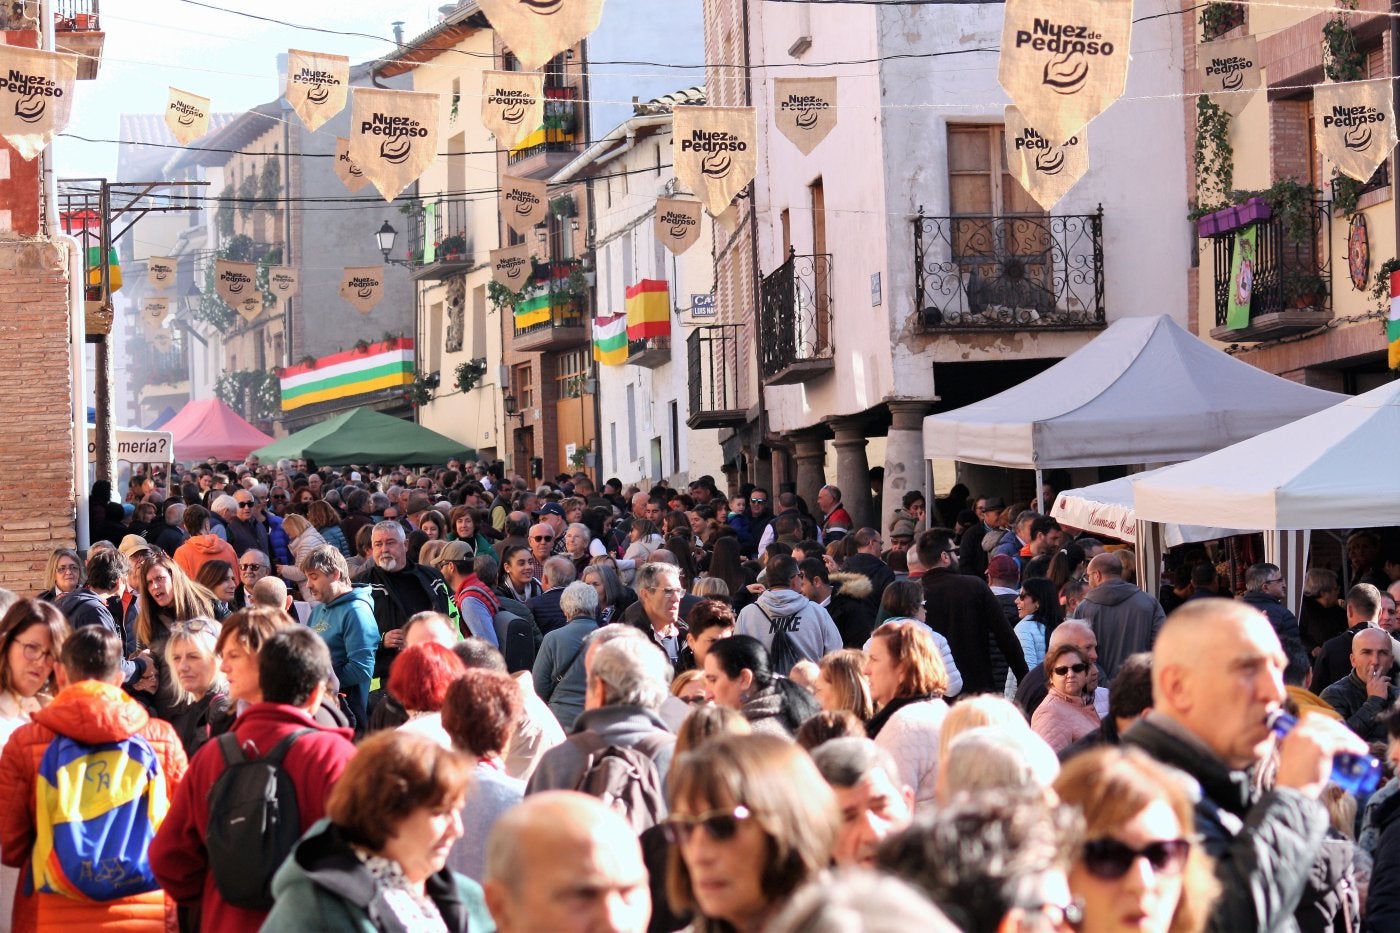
(398, 32)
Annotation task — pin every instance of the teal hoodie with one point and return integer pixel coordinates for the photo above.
(346, 624)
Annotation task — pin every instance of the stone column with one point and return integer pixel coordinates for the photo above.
(904, 455)
(853, 469)
(809, 450)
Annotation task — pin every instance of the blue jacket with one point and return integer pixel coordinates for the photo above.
(346, 624)
(280, 545)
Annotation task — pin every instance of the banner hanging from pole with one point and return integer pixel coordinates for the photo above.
(393, 136)
(512, 105)
(714, 151)
(187, 115)
(318, 85)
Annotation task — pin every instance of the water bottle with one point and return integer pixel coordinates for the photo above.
(1358, 775)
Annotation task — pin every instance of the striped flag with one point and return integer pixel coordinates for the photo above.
(533, 310)
(340, 375)
(648, 310)
(1392, 326)
(610, 339)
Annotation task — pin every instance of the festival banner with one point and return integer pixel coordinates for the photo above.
(1063, 62)
(524, 203)
(385, 365)
(1229, 69)
(677, 223)
(610, 339)
(510, 267)
(713, 152)
(512, 105)
(805, 110)
(1047, 172)
(318, 85)
(1392, 324)
(393, 136)
(362, 286)
(1242, 277)
(284, 281)
(350, 175)
(160, 272)
(648, 309)
(533, 310)
(36, 97)
(187, 115)
(729, 218)
(1354, 124)
(236, 283)
(153, 312)
(537, 30)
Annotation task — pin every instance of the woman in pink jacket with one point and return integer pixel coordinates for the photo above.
(1066, 715)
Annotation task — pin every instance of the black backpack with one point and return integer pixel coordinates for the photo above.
(625, 778)
(253, 822)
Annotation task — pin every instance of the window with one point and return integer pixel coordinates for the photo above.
(521, 379)
(478, 341)
(573, 373)
(998, 230)
(675, 437)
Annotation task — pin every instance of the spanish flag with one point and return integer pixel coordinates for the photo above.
(533, 310)
(1392, 325)
(610, 339)
(648, 310)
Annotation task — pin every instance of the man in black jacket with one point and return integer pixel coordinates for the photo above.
(400, 590)
(963, 610)
(1216, 677)
(844, 596)
(1334, 661)
(867, 561)
(1264, 589)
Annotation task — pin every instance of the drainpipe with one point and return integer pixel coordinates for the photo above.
(757, 295)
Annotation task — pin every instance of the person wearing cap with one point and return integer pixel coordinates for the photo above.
(552, 514)
(476, 604)
(901, 537)
(972, 558)
(413, 512)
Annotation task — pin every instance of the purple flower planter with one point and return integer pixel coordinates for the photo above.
(1253, 211)
(1208, 226)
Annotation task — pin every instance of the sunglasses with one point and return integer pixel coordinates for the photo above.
(542, 537)
(1065, 669)
(252, 568)
(245, 505)
(1110, 859)
(719, 825)
(197, 624)
(759, 501)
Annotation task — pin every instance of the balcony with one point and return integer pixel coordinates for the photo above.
(650, 352)
(556, 143)
(1009, 272)
(1292, 290)
(441, 223)
(78, 30)
(712, 369)
(795, 321)
(565, 325)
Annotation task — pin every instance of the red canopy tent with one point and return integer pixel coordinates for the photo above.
(209, 428)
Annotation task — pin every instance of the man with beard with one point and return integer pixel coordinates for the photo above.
(400, 590)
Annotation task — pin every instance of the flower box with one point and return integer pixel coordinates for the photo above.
(1253, 211)
(1208, 225)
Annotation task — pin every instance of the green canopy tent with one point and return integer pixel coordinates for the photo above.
(366, 436)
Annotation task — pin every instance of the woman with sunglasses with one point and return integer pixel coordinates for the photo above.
(31, 634)
(1038, 605)
(1066, 715)
(907, 684)
(63, 574)
(1139, 868)
(200, 690)
(739, 675)
(751, 822)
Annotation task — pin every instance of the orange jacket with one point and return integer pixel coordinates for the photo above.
(200, 550)
(90, 712)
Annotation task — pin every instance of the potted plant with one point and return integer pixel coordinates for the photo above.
(468, 374)
(1254, 210)
(452, 247)
(1306, 290)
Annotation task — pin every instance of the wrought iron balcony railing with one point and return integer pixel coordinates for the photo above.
(559, 133)
(795, 320)
(1291, 276)
(712, 368)
(1009, 271)
(442, 224)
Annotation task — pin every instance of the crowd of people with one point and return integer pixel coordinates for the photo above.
(287, 698)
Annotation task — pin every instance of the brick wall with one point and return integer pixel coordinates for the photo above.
(36, 451)
(1289, 140)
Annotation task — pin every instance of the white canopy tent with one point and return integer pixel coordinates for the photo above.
(1143, 391)
(1334, 469)
(1106, 510)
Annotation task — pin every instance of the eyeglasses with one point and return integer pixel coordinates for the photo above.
(33, 652)
(1071, 914)
(195, 625)
(1110, 859)
(1023, 595)
(1274, 580)
(719, 825)
(1076, 668)
(253, 568)
(67, 568)
(541, 537)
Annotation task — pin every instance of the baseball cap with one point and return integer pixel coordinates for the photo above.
(902, 528)
(552, 508)
(1002, 567)
(455, 550)
(416, 505)
(131, 544)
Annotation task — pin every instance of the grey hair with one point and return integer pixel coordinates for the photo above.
(991, 758)
(259, 489)
(1257, 575)
(225, 503)
(487, 568)
(327, 559)
(633, 672)
(378, 501)
(390, 525)
(612, 632)
(650, 574)
(559, 571)
(845, 762)
(579, 601)
(266, 560)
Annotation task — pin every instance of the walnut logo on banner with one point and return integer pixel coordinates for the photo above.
(512, 105)
(537, 30)
(1045, 170)
(713, 151)
(36, 97)
(677, 223)
(1229, 70)
(510, 267)
(284, 281)
(236, 284)
(153, 312)
(1355, 125)
(393, 136)
(318, 85)
(160, 272)
(524, 202)
(1063, 62)
(187, 115)
(805, 110)
(160, 339)
(362, 286)
(350, 175)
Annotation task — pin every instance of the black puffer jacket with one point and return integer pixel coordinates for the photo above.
(1383, 898)
(1331, 902)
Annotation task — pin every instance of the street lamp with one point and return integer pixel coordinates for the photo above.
(509, 404)
(385, 237)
